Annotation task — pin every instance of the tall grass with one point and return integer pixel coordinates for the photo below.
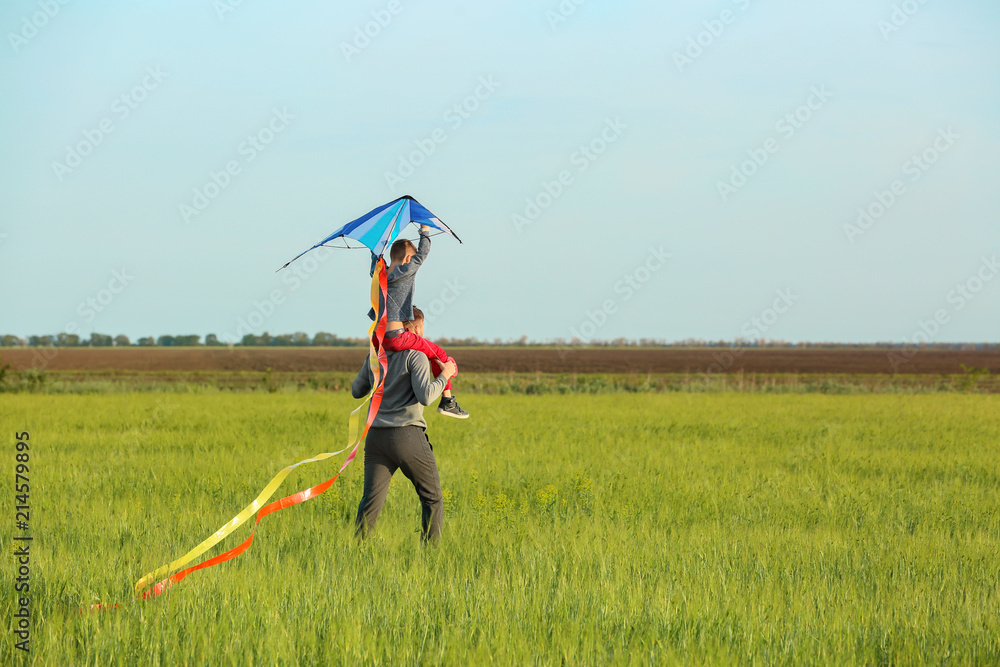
(618, 529)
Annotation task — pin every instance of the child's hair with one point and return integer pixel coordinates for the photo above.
(418, 316)
(397, 253)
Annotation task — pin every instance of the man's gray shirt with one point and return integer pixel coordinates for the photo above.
(409, 386)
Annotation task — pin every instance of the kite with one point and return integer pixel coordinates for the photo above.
(376, 230)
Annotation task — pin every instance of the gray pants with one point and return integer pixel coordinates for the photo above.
(408, 449)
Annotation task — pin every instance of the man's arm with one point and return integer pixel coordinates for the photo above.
(363, 382)
(425, 387)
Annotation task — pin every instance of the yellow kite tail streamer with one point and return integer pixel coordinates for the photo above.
(376, 357)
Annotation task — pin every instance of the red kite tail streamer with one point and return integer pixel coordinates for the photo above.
(378, 365)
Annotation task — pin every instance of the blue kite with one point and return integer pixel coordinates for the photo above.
(377, 229)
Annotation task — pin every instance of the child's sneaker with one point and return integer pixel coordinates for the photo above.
(449, 408)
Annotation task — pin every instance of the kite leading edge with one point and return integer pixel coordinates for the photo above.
(378, 228)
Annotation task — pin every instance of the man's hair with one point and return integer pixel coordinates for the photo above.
(397, 253)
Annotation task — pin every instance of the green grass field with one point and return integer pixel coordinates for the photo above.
(615, 529)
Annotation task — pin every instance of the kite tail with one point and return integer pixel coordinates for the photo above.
(378, 365)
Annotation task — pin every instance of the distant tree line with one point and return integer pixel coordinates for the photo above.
(321, 339)
(324, 339)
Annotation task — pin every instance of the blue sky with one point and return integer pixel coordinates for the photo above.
(644, 112)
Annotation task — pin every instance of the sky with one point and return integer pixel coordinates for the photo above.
(819, 171)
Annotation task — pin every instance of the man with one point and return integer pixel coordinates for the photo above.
(397, 438)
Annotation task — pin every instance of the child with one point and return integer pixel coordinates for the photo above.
(413, 339)
(400, 278)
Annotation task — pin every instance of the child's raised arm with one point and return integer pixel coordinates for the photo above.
(422, 251)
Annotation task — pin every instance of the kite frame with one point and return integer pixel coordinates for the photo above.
(394, 225)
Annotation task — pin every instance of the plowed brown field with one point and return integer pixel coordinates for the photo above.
(517, 360)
